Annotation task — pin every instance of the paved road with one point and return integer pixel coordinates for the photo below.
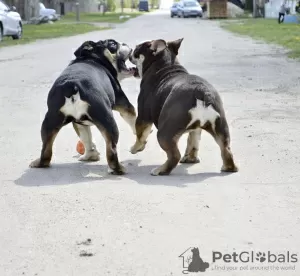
(139, 224)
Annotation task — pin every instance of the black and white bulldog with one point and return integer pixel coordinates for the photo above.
(86, 93)
(176, 102)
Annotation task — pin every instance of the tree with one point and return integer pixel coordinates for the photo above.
(249, 5)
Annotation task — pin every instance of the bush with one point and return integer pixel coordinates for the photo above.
(111, 5)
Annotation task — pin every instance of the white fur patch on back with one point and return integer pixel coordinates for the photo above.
(203, 114)
(74, 106)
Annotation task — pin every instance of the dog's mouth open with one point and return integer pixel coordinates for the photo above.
(124, 69)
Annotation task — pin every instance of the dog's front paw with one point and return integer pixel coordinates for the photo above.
(159, 171)
(38, 164)
(137, 147)
(189, 160)
(90, 156)
(118, 171)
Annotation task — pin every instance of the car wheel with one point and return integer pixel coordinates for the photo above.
(19, 33)
(184, 16)
(172, 15)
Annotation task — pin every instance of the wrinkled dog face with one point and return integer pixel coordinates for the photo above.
(147, 52)
(115, 52)
(119, 54)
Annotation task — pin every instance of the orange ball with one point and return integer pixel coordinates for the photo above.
(80, 147)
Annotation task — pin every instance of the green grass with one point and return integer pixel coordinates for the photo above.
(287, 35)
(46, 31)
(67, 26)
(109, 17)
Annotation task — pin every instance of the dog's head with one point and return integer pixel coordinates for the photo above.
(108, 50)
(148, 52)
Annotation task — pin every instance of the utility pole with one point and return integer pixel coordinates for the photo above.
(254, 9)
(77, 12)
(122, 6)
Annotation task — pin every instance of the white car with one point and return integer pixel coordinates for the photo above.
(51, 13)
(10, 22)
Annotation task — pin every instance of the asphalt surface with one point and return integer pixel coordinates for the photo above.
(140, 224)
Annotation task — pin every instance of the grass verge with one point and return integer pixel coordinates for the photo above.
(287, 35)
(109, 17)
(46, 31)
(65, 28)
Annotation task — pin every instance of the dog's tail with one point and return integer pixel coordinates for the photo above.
(61, 91)
(76, 96)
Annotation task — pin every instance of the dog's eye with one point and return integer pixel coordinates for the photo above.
(112, 46)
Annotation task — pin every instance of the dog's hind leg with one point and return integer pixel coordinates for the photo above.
(85, 135)
(168, 143)
(51, 125)
(109, 130)
(171, 126)
(192, 148)
(220, 132)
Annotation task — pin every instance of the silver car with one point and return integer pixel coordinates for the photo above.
(189, 8)
(10, 22)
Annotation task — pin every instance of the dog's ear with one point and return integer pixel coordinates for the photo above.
(158, 46)
(85, 49)
(174, 45)
(103, 42)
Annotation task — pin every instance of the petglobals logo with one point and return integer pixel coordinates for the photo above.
(254, 261)
(198, 260)
(252, 257)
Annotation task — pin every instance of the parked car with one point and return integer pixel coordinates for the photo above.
(174, 10)
(10, 22)
(189, 8)
(50, 13)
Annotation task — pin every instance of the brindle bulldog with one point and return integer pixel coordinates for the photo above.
(176, 102)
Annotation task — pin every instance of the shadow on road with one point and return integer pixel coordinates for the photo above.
(179, 176)
(76, 173)
(64, 174)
